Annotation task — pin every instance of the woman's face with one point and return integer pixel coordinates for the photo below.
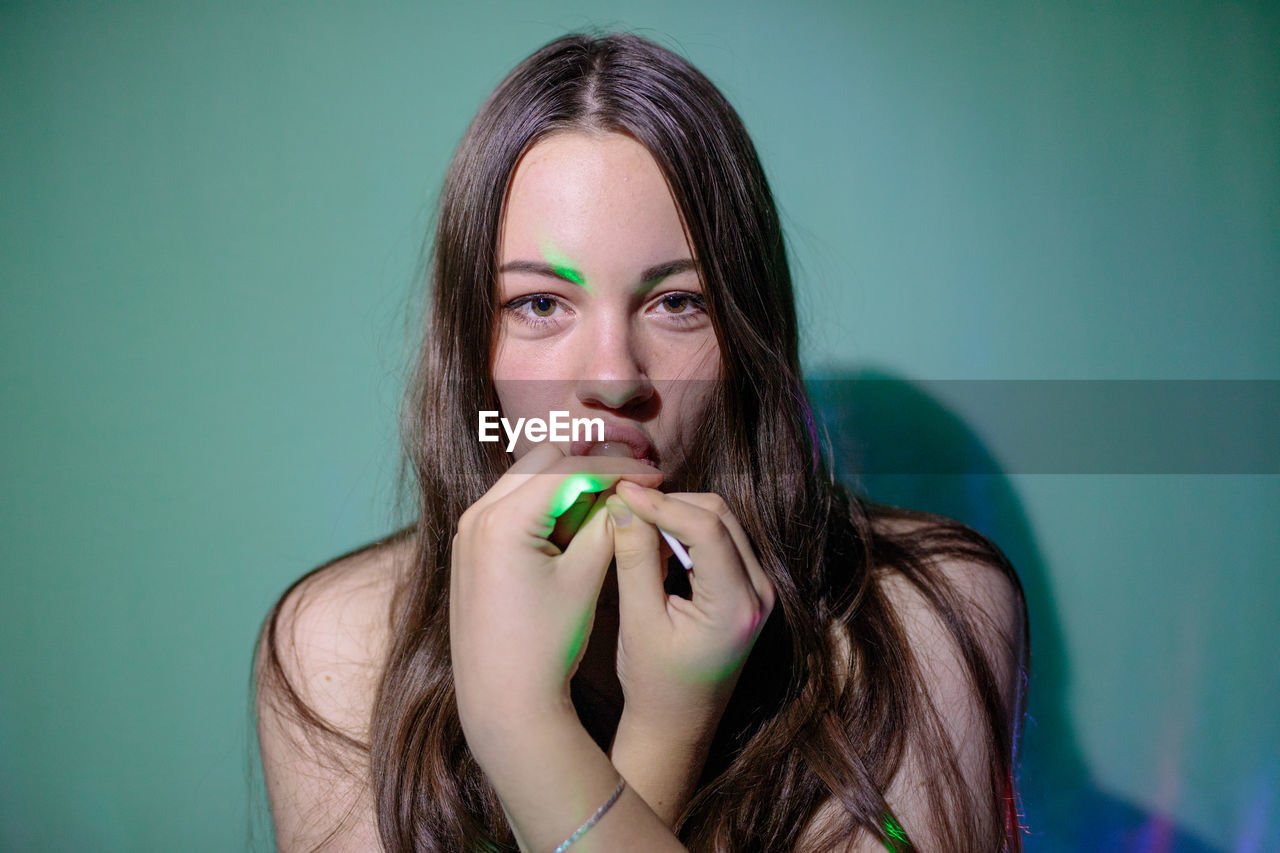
(602, 312)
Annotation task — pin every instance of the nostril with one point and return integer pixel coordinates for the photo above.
(615, 394)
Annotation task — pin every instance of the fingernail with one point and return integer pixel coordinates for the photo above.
(618, 512)
(627, 487)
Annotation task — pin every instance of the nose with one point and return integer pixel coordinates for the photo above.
(612, 373)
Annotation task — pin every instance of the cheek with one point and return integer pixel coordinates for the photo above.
(685, 405)
(694, 372)
(704, 362)
(503, 359)
(516, 358)
(709, 368)
(517, 397)
(525, 397)
(685, 357)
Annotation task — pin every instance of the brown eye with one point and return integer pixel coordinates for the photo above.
(543, 306)
(676, 303)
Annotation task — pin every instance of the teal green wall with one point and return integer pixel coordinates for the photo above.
(210, 217)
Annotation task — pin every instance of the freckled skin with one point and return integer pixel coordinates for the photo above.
(598, 210)
(599, 206)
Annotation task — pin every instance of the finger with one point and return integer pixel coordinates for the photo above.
(580, 574)
(545, 458)
(539, 459)
(714, 503)
(641, 596)
(587, 557)
(553, 490)
(718, 575)
(571, 520)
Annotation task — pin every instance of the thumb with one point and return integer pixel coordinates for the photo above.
(641, 596)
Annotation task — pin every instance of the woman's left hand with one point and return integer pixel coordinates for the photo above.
(679, 659)
(520, 608)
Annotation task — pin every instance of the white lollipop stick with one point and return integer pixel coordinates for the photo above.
(676, 548)
(617, 448)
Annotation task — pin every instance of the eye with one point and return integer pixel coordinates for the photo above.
(682, 307)
(536, 309)
(675, 303)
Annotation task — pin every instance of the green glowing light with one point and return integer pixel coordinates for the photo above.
(898, 841)
(571, 274)
(714, 676)
(578, 639)
(561, 264)
(573, 486)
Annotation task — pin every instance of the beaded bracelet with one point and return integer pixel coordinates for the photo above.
(591, 821)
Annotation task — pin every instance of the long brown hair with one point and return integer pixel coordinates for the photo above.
(793, 735)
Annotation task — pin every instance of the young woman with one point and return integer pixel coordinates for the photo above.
(526, 665)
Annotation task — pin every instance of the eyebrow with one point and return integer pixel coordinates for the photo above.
(649, 277)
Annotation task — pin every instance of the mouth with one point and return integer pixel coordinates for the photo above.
(616, 448)
(619, 441)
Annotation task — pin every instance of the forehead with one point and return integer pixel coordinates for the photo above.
(593, 198)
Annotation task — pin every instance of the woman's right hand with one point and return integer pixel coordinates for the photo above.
(679, 659)
(521, 608)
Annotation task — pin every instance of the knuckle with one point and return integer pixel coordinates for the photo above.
(709, 529)
(548, 451)
(490, 524)
(631, 544)
(627, 555)
(567, 465)
(717, 505)
(751, 614)
(725, 539)
(768, 600)
(477, 522)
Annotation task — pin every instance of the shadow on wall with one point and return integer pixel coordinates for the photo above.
(895, 444)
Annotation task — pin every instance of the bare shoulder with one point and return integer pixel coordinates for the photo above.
(321, 652)
(332, 630)
(986, 595)
(990, 601)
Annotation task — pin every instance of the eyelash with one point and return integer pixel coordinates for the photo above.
(513, 308)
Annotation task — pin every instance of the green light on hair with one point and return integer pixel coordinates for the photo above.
(898, 841)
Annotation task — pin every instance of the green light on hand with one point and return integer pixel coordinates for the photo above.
(570, 489)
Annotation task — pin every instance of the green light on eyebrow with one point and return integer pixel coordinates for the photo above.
(571, 274)
(561, 264)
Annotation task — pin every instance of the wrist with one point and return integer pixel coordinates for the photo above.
(687, 723)
(684, 735)
(508, 727)
(661, 764)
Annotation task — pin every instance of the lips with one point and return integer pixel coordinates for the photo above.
(617, 436)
